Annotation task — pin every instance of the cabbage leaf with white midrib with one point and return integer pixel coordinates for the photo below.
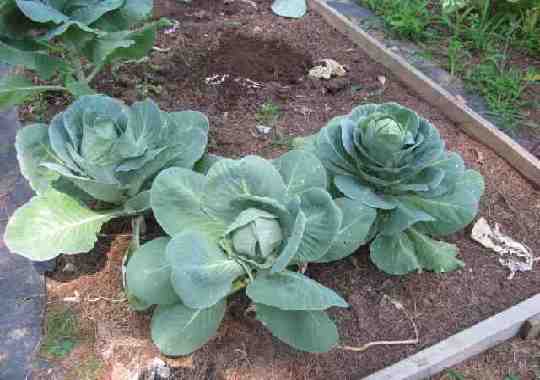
(247, 223)
(98, 152)
(387, 158)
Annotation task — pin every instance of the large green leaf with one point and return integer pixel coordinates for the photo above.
(33, 148)
(148, 274)
(51, 224)
(331, 151)
(15, 89)
(323, 219)
(291, 246)
(131, 13)
(451, 211)
(352, 188)
(231, 179)
(123, 45)
(437, 256)
(394, 254)
(176, 199)
(201, 272)
(306, 330)
(300, 170)
(290, 8)
(410, 250)
(44, 64)
(402, 217)
(292, 291)
(179, 330)
(188, 137)
(42, 11)
(353, 231)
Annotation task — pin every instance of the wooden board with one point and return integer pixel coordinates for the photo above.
(471, 122)
(463, 345)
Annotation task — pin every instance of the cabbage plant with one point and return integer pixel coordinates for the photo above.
(250, 224)
(390, 159)
(95, 162)
(67, 43)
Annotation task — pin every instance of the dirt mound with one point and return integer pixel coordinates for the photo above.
(259, 60)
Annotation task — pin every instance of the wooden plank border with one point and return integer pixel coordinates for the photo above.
(468, 120)
(463, 345)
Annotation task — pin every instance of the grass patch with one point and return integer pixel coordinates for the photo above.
(61, 332)
(478, 40)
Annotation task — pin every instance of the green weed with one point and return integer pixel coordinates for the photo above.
(61, 330)
(268, 114)
(408, 19)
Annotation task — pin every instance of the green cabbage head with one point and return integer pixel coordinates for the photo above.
(248, 223)
(96, 161)
(388, 158)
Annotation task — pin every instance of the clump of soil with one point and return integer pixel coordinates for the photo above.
(258, 59)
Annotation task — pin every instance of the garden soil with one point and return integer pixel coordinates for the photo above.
(264, 58)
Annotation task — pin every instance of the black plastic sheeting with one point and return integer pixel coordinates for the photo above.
(22, 286)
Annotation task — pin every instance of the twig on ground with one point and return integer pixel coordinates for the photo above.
(106, 299)
(366, 346)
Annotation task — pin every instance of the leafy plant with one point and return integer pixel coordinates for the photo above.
(61, 333)
(94, 162)
(502, 86)
(251, 224)
(388, 158)
(268, 114)
(408, 19)
(67, 43)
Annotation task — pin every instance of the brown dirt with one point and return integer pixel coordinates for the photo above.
(520, 358)
(440, 304)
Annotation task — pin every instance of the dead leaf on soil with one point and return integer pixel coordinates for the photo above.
(328, 69)
(515, 256)
(179, 362)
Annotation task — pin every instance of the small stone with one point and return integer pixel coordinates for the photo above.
(263, 130)
(531, 328)
(69, 268)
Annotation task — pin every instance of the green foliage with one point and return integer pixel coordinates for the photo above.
(385, 157)
(61, 333)
(268, 114)
(407, 19)
(485, 29)
(502, 86)
(98, 150)
(248, 223)
(67, 44)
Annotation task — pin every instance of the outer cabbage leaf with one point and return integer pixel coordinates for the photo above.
(32, 145)
(201, 273)
(179, 330)
(53, 223)
(177, 202)
(296, 292)
(306, 330)
(300, 171)
(356, 223)
(409, 251)
(148, 274)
